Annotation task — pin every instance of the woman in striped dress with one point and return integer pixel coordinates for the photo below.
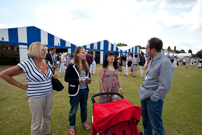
(39, 87)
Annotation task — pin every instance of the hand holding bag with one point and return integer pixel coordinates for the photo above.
(57, 85)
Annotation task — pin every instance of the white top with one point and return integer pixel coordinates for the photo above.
(39, 84)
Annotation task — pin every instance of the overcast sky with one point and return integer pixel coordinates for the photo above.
(177, 22)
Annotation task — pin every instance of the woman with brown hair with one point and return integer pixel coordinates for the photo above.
(109, 78)
(78, 77)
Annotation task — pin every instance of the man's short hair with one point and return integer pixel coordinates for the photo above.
(155, 43)
(52, 48)
(142, 53)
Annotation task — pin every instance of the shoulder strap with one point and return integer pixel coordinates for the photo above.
(49, 66)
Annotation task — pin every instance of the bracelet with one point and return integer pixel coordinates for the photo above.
(120, 88)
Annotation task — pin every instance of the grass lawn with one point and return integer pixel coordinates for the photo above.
(182, 112)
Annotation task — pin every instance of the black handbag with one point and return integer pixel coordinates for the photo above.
(129, 63)
(57, 85)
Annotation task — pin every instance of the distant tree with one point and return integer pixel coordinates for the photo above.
(121, 44)
(168, 47)
(177, 51)
(190, 51)
(199, 54)
(182, 51)
(141, 47)
(175, 48)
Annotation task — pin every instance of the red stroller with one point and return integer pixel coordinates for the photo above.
(115, 118)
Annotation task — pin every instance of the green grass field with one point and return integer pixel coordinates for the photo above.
(182, 112)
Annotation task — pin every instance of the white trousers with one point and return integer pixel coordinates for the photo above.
(93, 65)
(128, 68)
(141, 71)
(41, 109)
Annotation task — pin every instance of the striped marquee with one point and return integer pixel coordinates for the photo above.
(27, 35)
(24, 36)
(103, 46)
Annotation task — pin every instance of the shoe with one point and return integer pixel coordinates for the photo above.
(87, 127)
(140, 133)
(72, 132)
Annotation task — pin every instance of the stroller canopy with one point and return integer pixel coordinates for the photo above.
(106, 115)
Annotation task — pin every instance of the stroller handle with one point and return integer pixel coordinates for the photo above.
(104, 93)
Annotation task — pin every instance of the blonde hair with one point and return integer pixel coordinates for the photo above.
(35, 50)
(76, 59)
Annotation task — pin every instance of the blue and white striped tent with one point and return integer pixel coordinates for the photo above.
(24, 36)
(134, 50)
(103, 47)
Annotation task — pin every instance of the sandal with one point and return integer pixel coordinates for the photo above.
(72, 131)
(87, 127)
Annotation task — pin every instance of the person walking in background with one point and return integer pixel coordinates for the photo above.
(135, 65)
(195, 62)
(187, 62)
(128, 64)
(50, 57)
(88, 58)
(123, 59)
(184, 61)
(174, 62)
(94, 61)
(63, 67)
(39, 87)
(58, 60)
(78, 77)
(109, 78)
(141, 64)
(120, 65)
(67, 56)
(155, 86)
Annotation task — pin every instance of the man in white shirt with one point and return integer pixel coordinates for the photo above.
(93, 64)
(128, 64)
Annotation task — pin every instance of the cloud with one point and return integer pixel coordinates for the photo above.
(185, 44)
(163, 3)
(137, 4)
(192, 19)
(167, 20)
(176, 3)
(115, 20)
(81, 14)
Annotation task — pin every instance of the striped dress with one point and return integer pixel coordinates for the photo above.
(39, 84)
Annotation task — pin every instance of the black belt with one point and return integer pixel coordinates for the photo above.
(82, 89)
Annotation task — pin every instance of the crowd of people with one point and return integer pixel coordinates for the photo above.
(78, 70)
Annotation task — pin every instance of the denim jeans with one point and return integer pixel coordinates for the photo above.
(152, 117)
(82, 98)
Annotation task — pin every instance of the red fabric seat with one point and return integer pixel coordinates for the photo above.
(117, 117)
